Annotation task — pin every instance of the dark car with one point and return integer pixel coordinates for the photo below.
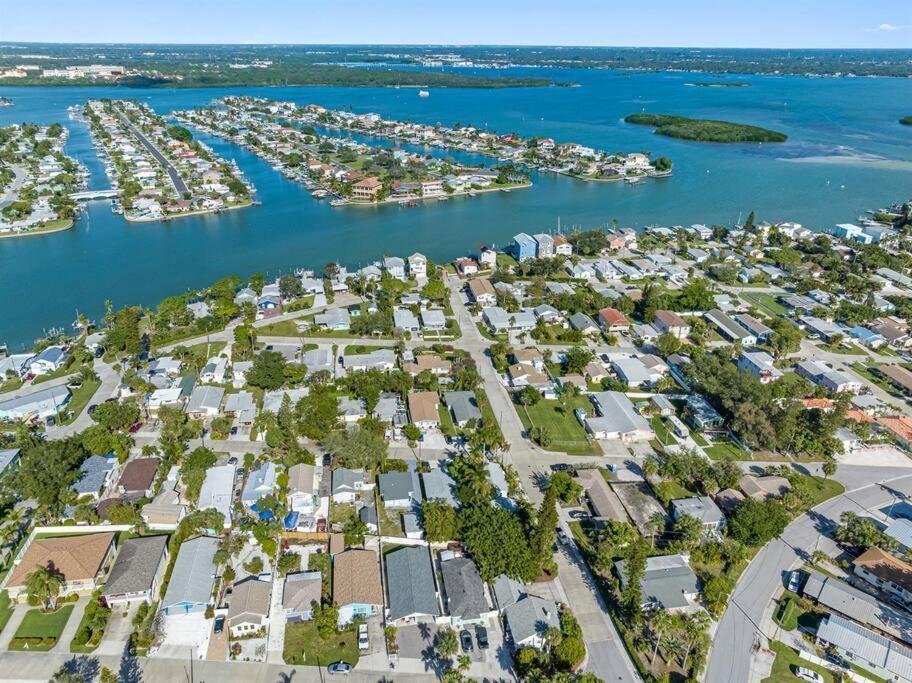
(579, 514)
(465, 638)
(327, 460)
(135, 427)
(219, 624)
(92, 408)
(560, 467)
(481, 635)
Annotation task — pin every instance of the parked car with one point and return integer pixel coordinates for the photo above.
(92, 408)
(481, 635)
(327, 460)
(579, 514)
(232, 460)
(135, 427)
(465, 638)
(363, 640)
(339, 669)
(808, 675)
(562, 536)
(219, 624)
(794, 581)
(560, 467)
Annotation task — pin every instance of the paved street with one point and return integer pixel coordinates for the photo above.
(179, 185)
(730, 658)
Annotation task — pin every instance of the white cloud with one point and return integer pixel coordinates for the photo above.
(887, 27)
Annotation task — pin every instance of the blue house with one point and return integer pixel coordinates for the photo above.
(524, 246)
(260, 483)
(95, 474)
(867, 337)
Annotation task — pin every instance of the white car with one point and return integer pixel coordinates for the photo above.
(363, 640)
(794, 581)
(808, 675)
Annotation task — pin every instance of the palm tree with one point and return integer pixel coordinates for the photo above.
(695, 629)
(659, 624)
(43, 585)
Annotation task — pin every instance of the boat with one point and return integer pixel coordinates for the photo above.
(633, 179)
(423, 93)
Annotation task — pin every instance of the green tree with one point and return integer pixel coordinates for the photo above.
(566, 487)
(47, 469)
(754, 522)
(498, 542)
(447, 643)
(116, 416)
(267, 371)
(440, 521)
(357, 448)
(43, 586)
(326, 619)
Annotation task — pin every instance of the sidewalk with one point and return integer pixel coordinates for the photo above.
(12, 625)
(72, 625)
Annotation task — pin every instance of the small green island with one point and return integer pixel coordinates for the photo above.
(720, 84)
(705, 130)
(906, 120)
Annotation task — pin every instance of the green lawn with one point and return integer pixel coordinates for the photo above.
(487, 412)
(822, 489)
(787, 614)
(341, 512)
(446, 420)
(664, 437)
(851, 350)
(359, 349)
(699, 438)
(765, 302)
(567, 434)
(206, 351)
(667, 491)
(506, 262)
(39, 631)
(81, 396)
(726, 450)
(785, 663)
(66, 371)
(283, 328)
(303, 645)
(322, 563)
(6, 609)
(10, 384)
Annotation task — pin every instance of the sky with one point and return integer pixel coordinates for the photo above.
(671, 23)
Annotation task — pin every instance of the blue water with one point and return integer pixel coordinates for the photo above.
(862, 158)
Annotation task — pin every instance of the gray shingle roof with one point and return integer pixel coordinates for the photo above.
(396, 486)
(465, 596)
(410, 583)
(667, 580)
(463, 404)
(193, 575)
(531, 616)
(136, 565)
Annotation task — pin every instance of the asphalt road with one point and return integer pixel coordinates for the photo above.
(176, 179)
(742, 623)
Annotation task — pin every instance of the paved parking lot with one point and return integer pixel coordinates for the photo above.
(418, 642)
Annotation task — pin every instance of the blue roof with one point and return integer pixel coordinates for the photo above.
(291, 520)
(864, 333)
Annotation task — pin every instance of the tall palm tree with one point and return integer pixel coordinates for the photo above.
(44, 585)
(696, 626)
(660, 625)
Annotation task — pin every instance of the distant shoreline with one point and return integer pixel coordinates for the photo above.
(39, 231)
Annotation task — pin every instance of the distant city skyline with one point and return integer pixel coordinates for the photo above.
(662, 23)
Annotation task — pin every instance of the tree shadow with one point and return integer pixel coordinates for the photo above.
(84, 666)
(130, 669)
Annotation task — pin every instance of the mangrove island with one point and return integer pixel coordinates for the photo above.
(705, 130)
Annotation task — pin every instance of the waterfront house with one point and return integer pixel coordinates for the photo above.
(562, 246)
(366, 189)
(544, 245)
(417, 265)
(524, 247)
(395, 266)
(50, 360)
(466, 267)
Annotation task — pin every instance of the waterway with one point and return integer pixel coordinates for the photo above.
(846, 153)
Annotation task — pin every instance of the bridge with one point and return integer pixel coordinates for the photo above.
(94, 194)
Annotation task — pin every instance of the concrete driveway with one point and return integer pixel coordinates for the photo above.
(117, 635)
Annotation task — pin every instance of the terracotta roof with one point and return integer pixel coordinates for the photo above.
(613, 316)
(821, 403)
(139, 474)
(885, 566)
(427, 362)
(356, 578)
(368, 183)
(901, 426)
(422, 406)
(858, 415)
(77, 557)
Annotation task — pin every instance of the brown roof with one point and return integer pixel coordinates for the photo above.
(370, 183)
(336, 543)
(729, 499)
(480, 286)
(422, 406)
(604, 501)
(559, 239)
(762, 488)
(527, 355)
(77, 557)
(356, 578)
(139, 474)
(885, 566)
(898, 375)
(670, 319)
(427, 362)
(249, 598)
